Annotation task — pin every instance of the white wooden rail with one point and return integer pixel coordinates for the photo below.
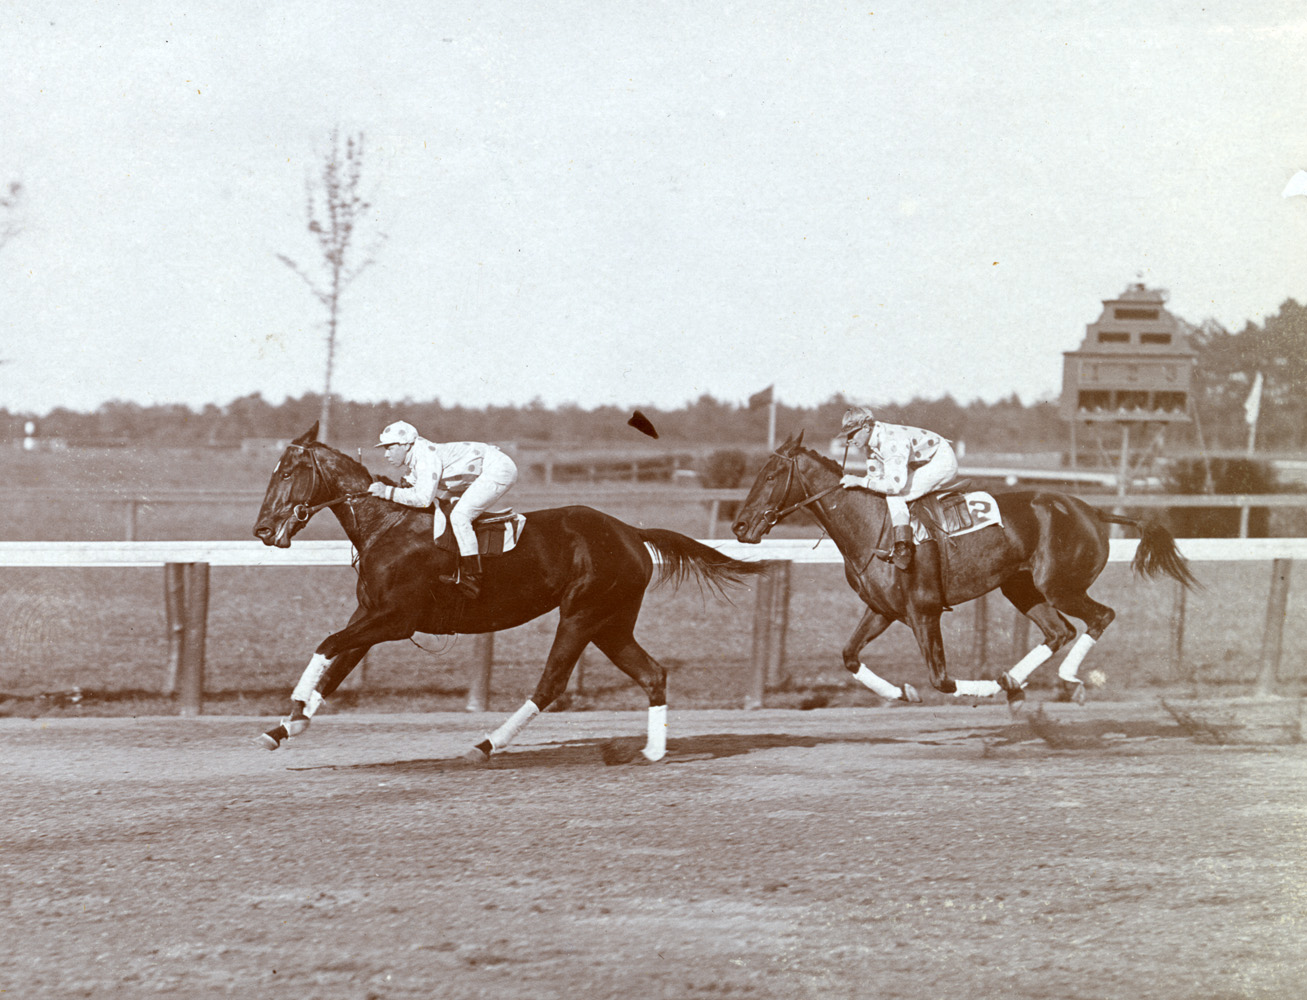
(338, 552)
(186, 567)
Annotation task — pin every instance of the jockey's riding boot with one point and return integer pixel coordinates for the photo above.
(903, 546)
(469, 576)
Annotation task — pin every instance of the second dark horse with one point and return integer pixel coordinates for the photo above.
(589, 565)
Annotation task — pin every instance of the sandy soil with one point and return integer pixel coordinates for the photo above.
(1100, 851)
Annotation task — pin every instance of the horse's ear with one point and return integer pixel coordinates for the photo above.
(309, 436)
(799, 442)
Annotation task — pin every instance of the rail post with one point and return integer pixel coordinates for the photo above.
(1273, 639)
(130, 529)
(195, 617)
(1020, 635)
(174, 603)
(980, 632)
(763, 638)
(780, 620)
(1178, 608)
(483, 660)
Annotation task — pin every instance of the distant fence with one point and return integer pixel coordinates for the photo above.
(528, 498)
(186, 567)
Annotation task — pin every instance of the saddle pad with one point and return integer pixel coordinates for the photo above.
(984, 512)
(493, 539)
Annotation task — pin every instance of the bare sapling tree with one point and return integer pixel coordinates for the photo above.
(336, 212)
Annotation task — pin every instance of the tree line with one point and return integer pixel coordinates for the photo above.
(1227, 364)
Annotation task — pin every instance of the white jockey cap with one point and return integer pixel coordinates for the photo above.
(400, 432)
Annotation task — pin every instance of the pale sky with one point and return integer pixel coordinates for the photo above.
(602, 203)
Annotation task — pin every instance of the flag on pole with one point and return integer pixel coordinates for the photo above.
(1297, 184)
(1253, 404)
(762, 398)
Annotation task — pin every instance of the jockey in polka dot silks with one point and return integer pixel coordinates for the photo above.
(477, 474)
(903, 463)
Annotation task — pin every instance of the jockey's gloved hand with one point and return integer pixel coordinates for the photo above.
(850, 481)
(379, 490)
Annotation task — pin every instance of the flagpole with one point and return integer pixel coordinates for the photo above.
(1252, 410)
(771, 423)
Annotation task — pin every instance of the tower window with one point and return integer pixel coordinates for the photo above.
(1113, 337)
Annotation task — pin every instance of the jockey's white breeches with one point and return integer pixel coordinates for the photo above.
(921, 480)
(498, 474)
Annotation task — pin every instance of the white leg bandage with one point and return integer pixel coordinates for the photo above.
(1067, 671)
(307, 688)
(656, 746)
(505, 734)
(977, 689)
(1029, 662)
(876, 683)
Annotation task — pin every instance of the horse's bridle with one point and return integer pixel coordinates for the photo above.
(303, 511)
(770, 515)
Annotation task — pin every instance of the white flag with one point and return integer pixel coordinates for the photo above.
(1253, 405)
(1297, 184)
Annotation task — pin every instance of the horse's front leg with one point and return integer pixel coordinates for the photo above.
(872, 624)
(330, 664)
(925, 626)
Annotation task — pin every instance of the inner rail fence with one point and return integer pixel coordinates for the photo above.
(186, 566)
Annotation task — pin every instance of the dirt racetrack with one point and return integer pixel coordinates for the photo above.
(1111, 850)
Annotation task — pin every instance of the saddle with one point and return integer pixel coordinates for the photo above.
(497, 532)
(939, 515)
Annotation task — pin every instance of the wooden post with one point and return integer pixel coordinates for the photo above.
(1178, 668)
(780, 621)
(1273, 640)
(196, 613)
(483, 659)
(762, 637)
(130, 531)
(578, 673)
(1020, 635)
(714, 511)
(174, 590)
(980, 632)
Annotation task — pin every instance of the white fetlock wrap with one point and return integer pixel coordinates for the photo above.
(1076, 656)
(1029, 662)
(516, 722)
(876, 683)
(306, 689)
(656, 747)
(976, 689)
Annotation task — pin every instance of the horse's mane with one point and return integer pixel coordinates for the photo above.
(826, 462)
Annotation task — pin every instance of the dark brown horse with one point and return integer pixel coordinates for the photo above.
(1044, 556)
(590, 566)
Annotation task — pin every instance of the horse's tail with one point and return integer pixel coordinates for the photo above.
(682, 557)
(1157, 552)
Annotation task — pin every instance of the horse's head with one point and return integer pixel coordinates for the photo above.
(777, 487)
(297, 482)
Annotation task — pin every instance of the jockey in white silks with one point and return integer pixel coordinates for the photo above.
(477, 474)
(903, 463)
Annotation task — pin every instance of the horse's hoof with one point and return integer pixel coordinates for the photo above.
(479, 754)
(272, 738)
(910, 695)
(1016, 701)
(1073, 692)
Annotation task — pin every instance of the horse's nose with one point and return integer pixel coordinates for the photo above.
(263, 532)
(738, 529)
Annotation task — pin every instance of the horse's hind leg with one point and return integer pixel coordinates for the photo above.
(1057, 631)
(872, 624)
(616, 640)
(1096, 617)
(570, 640)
